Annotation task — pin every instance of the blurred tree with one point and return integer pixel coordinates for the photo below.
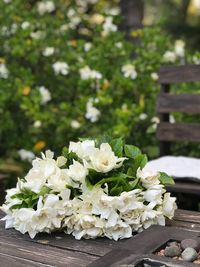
(179, 17)
(132, 13)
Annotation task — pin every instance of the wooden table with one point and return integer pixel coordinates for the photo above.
(61, 250)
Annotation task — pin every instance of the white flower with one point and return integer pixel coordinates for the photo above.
(154, 194)
(45, 95)
(71, 12)
(83, 211)
(172, 119)
(119, 231)
(179, 48)
(47, 217)
(196, 60)
(14, 27)
(154, 76)
(148, 178)
(37, 124)
(169, 56)
(119, 45)
(3, 71)
(60, 68)
(169, 205)
(143, 116)
(48, 51)
(25, 25)
(103, 159)
(92, 113)
(74, 21)
(155, 120)
(129, 71)
(5, 31)
(86, 73)
(37, 35)
(10, 200)
(124, 203)
(77, 172)
(96, 19)
(46, 7)
(114, 11)
(108, 26)
(75, 124)
(26, 155)
(7, 1)
(44, 170)
(64, 28)
(22, 221)
(82, 149)
(87, 46)
(151, 216)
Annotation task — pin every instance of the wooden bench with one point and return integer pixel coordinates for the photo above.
(61, 250)
(186, 103)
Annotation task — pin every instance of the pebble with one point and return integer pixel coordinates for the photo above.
(189, 254)
(173, 243)
(190, 243)
(172, 251)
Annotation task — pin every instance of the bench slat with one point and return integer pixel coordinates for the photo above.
(179, 74)
(178, 132)
(187, 103)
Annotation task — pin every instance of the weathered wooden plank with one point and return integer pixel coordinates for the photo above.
(44, 253)
(185, 187)
(98, 247)
(188, 103)
(179, 74)
(184, 225)
(111, 258)
(187, 216)
(185, 219)
(12, 261)
(178, 132)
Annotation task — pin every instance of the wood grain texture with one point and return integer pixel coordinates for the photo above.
(179, 74)
(12, 261)
(187, 103)
(97, 247)
(178, 132)
(185, 188)
(186, 219)
(187, 216)
(43, 253)
(18, 250)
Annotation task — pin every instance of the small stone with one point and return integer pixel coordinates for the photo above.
(172, 251)
(190, 243)
(173, 243)
(189, 254)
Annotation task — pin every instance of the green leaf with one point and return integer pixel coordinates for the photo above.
(65, 152)
(44, 190)
(88, 182)
(103, 139)
(130, 172)
(116, 191)
(139, 162)
(117, 146)
(134, 183)
(166, 179)
(132, 151)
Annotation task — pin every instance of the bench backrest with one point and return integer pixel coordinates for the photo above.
(187, 103)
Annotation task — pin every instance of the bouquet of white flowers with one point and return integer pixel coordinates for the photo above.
(96, 188)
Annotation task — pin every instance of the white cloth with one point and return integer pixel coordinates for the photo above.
(178, 167)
